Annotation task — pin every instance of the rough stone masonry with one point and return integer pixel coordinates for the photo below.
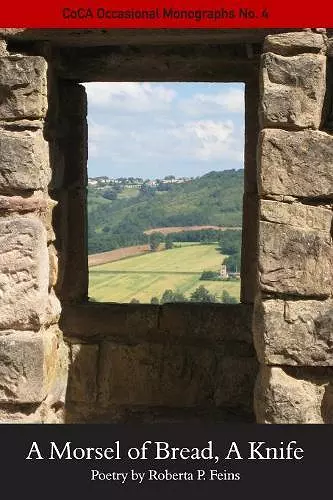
(293, 317)
(33, 356)
(63, 359)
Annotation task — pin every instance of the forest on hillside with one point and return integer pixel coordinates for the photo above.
(118, 218)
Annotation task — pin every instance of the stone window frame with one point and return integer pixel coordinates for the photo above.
(171, 63)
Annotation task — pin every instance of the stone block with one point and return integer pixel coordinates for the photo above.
(53, 266)
(294, 332)
(294, 396)
(24, 273)
(294, 260)
(23, 87)
(37, 203)
(292, 90)
(251, 136)
(20, 414)
(173, 376)
(53, 309)
(69, 148)
(27, 365)
(130, 321)
(3, 48)
(82, 384)
(24, 161)
(9, 32)
(56, 359)
(297, 215)
(209, 322)
(249, 261)
(289, 44)
(74, 286)
(295, 163)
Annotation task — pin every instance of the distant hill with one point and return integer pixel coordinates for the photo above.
(213, 199)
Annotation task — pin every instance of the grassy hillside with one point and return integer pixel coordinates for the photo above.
(214, 199)
(145, 276)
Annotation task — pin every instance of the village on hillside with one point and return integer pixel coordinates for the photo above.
(135, 182)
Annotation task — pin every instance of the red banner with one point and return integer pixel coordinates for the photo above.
(166, 14)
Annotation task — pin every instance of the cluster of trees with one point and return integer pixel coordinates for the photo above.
(156, 238)
(112, 192)
(230, 243)
(200, 294)
(210, 276)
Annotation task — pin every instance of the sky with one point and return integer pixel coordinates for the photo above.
(151, 130)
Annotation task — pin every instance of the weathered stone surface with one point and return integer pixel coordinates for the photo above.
(3, 48)
(68, 135)
(24, 161)
(251, 135)
(297, 215)
(137, 321)
(294, 332)
(292, 90)
(294, 261)
(288, 44)
(330, 48)
(55, 374)
(8, 32)
(55, 365)
(22, 125)
(32, 413)
(53, 265)
(47, 218)
(52, 310)
(27, 365)
(206, 322)
(75, 260)
(23, 87)
(197, 323)
(24, 273)
(295, 163)
(249, 260)
(19, 414)
(37, 203)
(294, 396)
(174, 376)
(82, 385)
(74, 127)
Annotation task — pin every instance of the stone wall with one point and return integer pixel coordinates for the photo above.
(33, 356)
(293, 317)
(176, 362)
(181, 362)
(117, 363)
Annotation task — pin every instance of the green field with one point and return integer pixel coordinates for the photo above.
(144, 276)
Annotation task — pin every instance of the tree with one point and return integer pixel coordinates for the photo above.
(233, 263)
(135, 301)
(201, 294)
(154, 300)
(109, 194)
(230, 242)
(210, 276)
(227, 298)
(172, 296)
(154, 241)
(168, 242)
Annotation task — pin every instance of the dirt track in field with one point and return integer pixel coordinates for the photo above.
(120, 253)
(180, 229)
